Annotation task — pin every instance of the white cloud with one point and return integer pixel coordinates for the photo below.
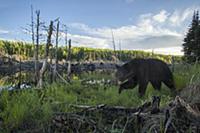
(152, 31)
(145, 27)
(167, 51)
(86, 41)
(79, 26)
(180, 16)
(3, 31)
(161, 17)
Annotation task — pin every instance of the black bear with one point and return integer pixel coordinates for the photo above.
(142, 71)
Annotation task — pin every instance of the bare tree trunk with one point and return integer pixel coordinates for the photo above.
(114, 48)
(69, 61)
(50, 68)
(68, 56)
(113, 40)
(56, 54)
(45, 62)
(172, 63)
(20, 69)
(66, 43)
(120, 50)
(32, 26)
(33, 42)
(36, 52)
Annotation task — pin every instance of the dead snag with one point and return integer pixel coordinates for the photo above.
(45, 62)
(69, 61)
(36, 50)
(20, 69)
(51, 64)
(56, 53)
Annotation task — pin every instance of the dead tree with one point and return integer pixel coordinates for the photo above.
(20, 68)
(51, 64)
(173, 60)
(113, 41)
(66, 43)
(36, 51)
(32, 26)
(44, 66)
(33, 43)
(56, 54)
(69, 61)
(120, 50)
(114, 47)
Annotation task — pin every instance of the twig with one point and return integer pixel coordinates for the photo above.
(67, 82)
(127, 120)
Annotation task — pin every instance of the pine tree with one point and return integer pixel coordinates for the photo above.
(192, 40)
(197, 36)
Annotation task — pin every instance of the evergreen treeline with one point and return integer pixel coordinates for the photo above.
(192, 40)
(26, 50)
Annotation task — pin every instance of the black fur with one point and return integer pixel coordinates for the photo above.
(143, 71)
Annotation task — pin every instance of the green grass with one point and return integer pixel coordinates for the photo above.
(186, 74)
(22, 109)
(35, 107)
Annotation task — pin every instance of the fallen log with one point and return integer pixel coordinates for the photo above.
(179, 116)
(112, 116)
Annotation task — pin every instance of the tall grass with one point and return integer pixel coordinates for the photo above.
(187, 74)
(34, 108)
(23, 109)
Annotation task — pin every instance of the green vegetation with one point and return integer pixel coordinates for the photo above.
(186, 74)
(192, 40)
(78, 53)
(34, 108)
(23, 109)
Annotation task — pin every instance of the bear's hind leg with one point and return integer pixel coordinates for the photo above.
(142, 88)
(156, 85)
(170, 84)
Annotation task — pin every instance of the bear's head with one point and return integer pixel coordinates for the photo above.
(123, 73)
(120, 74)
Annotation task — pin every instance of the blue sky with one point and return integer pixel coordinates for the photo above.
(157, 25)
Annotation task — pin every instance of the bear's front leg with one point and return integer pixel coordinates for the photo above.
(131, 83)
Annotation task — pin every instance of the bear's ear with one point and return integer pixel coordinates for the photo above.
(117, 66)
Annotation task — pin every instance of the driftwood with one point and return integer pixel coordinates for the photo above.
(179, 116)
